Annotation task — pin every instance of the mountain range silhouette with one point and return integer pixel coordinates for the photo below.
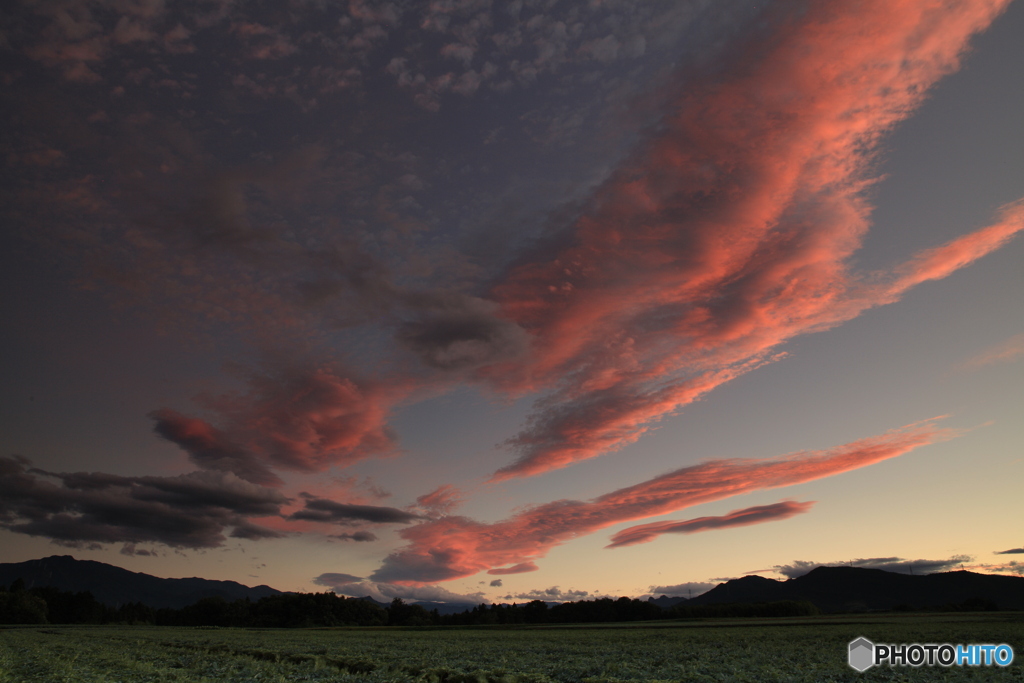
(831, 589)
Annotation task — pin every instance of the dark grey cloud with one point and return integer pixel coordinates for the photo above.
(496, 583)
(336, 578)
(686, 590)
(130, 550)
(458, 341)
(209, 448)
(1011, 551)
(188, 511)
(357, 536)
(323, 510)
(452, 331)
(889, 564)
(440, 565)
(208, 489)
(192, 490)
(254, 532)
(87, 481)
(554, 594)
(346, 584)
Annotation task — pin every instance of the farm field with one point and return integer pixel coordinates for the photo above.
(795, 649)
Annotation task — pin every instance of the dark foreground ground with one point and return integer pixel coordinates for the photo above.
(785, 649)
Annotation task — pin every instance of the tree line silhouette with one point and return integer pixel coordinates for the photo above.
(45, 604)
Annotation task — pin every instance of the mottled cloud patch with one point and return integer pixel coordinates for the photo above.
(192, 510)
(441, 501)
(453, 547)
(644, 533)
(889, 564)
(728, 230)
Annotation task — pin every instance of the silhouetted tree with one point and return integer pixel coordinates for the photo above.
(18, 606)
(402, 614)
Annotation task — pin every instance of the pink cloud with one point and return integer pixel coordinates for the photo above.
(441, 500)
(295, 418)
(724, 235)
(1007, 352)
(937, 263)
(731, 230)
(645, 533)
(455, 547)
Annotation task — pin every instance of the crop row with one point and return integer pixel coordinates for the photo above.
(795, 651)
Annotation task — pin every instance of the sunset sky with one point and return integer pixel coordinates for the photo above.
(481, 301)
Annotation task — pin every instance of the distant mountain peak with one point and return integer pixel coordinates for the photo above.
(844, 588)
(116, 586)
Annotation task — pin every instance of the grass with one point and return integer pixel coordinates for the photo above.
(786, 649)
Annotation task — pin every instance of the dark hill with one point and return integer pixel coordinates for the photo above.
(853, 589)
(666, 601)
(115, 586)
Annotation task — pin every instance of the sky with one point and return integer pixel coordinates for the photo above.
(470, 301)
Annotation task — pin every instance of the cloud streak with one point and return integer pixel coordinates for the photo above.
(323, 510)
(454, 547)
(732, 229)
(1007, 352)
(645, 533)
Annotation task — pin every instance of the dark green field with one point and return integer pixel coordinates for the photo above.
(791, 649)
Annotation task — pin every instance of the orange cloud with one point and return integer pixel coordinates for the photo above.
(645, 533)
(454, 547)
(731, 230)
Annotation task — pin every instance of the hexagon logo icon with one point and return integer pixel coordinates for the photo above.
(862, 654)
